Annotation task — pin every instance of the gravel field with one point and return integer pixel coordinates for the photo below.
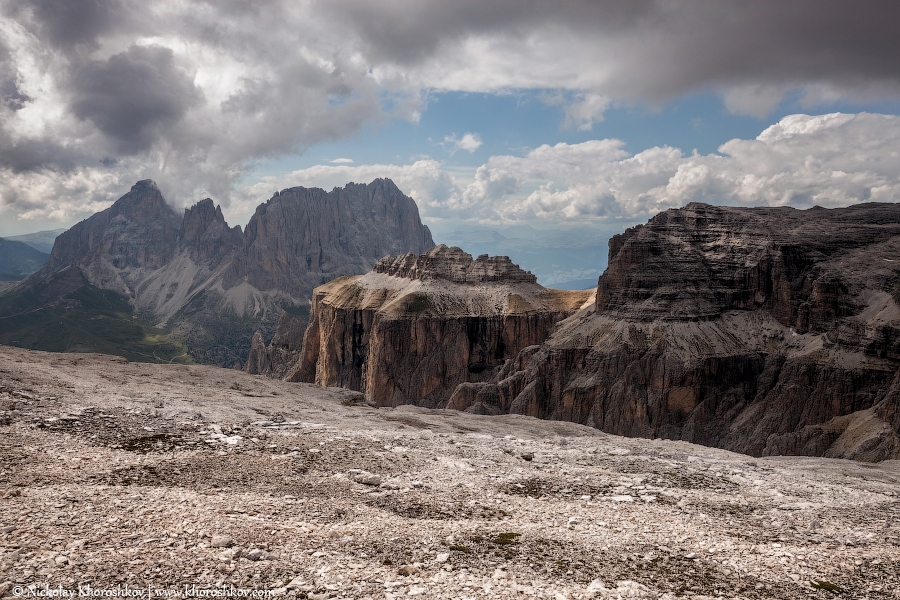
(122, 478)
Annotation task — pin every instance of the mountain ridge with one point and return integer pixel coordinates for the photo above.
(212, 285)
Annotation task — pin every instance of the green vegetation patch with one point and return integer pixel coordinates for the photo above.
(505, 539)
(417, 303)
(65, 313)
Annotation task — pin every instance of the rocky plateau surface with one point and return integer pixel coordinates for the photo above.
(416, 327)
(163, 477)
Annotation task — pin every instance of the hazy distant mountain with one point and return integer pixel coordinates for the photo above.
(210, 285)
(18, 260)
(40, 240)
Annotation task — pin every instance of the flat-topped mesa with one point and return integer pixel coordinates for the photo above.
(453, 264)
(414, 328)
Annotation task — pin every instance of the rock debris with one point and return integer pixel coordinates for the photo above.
(99, 487)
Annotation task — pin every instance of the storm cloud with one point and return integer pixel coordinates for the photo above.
(99, 93)
(134, 96)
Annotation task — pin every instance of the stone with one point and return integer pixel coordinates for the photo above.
(257, 554)
(221, 541)
(367, 479)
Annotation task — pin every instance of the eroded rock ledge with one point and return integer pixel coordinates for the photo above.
(413, 329)
(452, 264)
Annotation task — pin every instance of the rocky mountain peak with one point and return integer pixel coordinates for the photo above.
(303, 237)
(213, 285)
(453, 264)
(140, 230)
(205, 232)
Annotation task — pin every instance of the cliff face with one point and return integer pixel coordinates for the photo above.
(279, 357)
(764, 331)
(213, 285)
(416, 327)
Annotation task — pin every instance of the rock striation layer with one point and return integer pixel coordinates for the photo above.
(213, 285)
(766, 331)
(415, 327)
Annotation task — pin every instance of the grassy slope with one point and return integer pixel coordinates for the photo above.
(17, 260)
(64, 313)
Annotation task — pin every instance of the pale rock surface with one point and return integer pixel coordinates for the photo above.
(112, 473)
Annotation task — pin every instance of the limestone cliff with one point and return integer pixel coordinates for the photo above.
(415, 327)
(765, 331)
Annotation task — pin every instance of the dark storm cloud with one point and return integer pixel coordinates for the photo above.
(70, 23)
(133, 97)
(409, 32)
(657, 49)
(94, 93)
(11, 96)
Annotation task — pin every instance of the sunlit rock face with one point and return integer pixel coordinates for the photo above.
(415, 327)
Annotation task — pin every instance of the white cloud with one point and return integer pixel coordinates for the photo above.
(829, 160)
(470, 142)
(342, 161)
(587, 110)
(755, 100)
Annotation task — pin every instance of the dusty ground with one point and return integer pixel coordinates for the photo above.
(117, 474)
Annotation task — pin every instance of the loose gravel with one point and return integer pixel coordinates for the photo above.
(189, 480)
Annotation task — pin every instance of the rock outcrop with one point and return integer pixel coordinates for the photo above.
(279, 357)
(765, 331)
(416, 327)
(212, 285)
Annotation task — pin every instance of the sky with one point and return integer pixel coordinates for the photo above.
(490, 113)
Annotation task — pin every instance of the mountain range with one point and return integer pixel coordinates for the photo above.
(190, 279)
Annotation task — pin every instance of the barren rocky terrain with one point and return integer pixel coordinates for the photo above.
(155, 477)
